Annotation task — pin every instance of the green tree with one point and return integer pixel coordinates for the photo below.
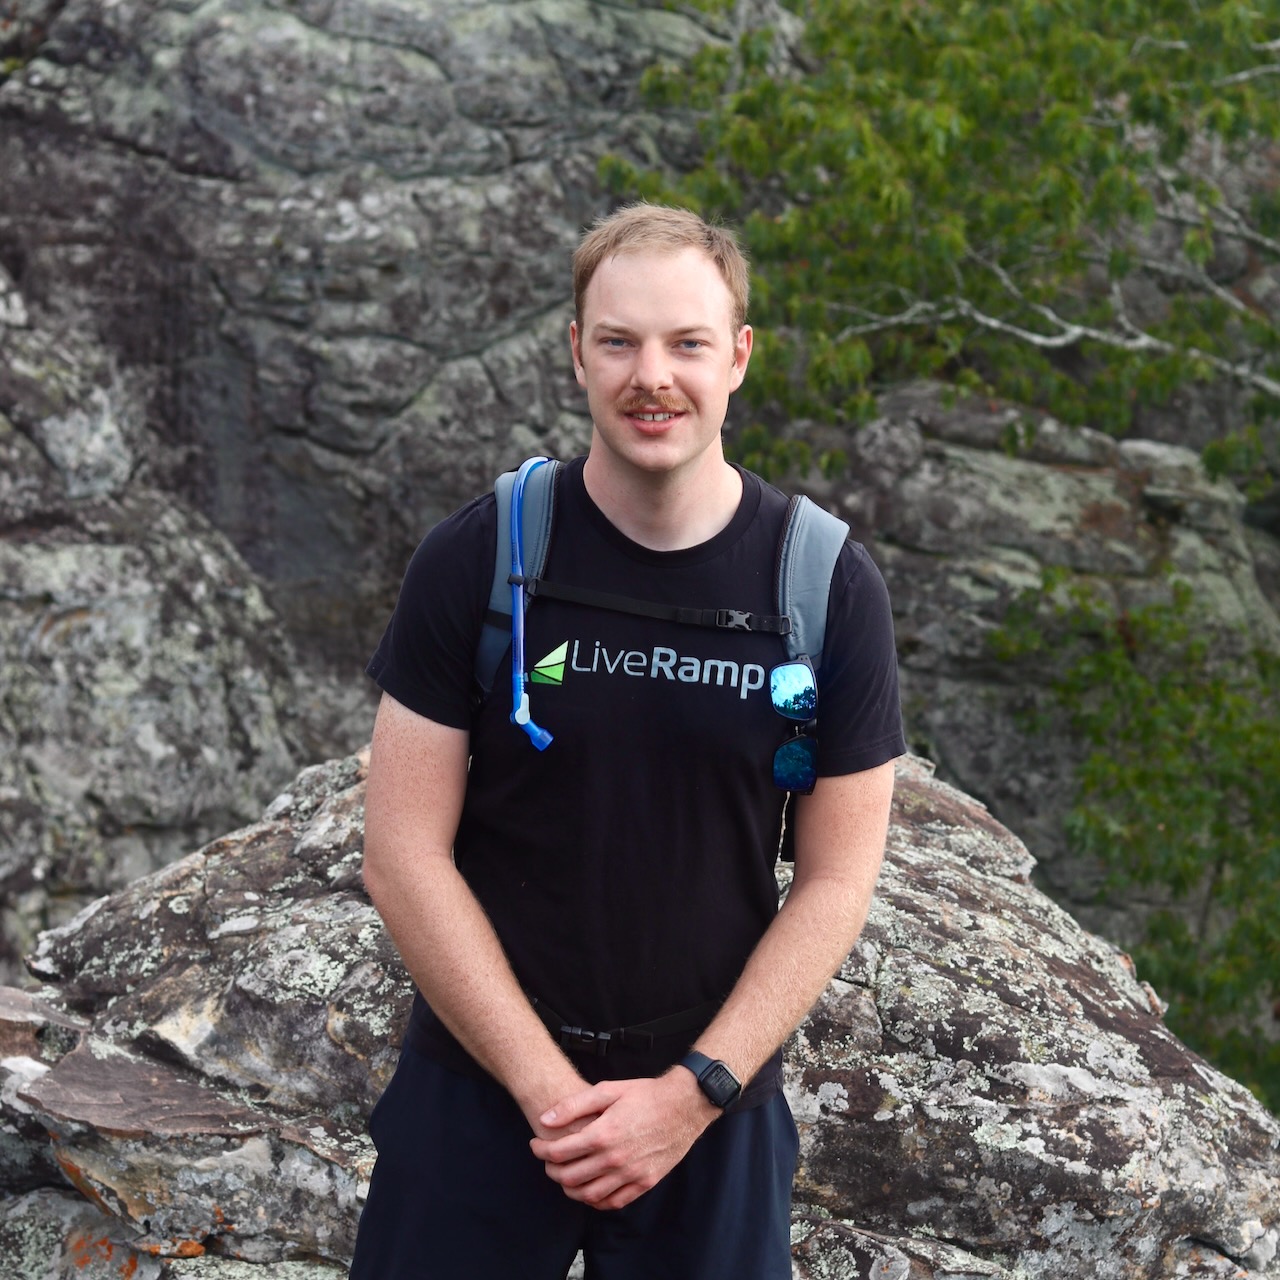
(1059, 201)
(1178, 793)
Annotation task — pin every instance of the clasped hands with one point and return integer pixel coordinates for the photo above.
(611, 1142)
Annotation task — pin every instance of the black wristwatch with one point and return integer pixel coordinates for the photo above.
(714, 1078)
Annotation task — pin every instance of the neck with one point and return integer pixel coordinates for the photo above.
(665, 511)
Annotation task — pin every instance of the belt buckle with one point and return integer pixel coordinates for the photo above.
(580, 1040)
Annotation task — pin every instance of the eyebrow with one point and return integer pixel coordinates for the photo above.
(604, 327)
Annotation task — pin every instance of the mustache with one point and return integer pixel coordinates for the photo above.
(660, 401)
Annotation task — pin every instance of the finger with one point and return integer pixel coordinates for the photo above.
(573, 1146)
(590, 1102)
(597, 1193)
(622, 1197)
(582, 1172)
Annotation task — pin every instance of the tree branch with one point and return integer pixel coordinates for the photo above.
(1182, 271)
(1127, 336)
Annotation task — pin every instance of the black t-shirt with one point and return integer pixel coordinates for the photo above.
(629, 868)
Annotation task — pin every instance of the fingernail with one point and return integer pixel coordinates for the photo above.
(548, 1117)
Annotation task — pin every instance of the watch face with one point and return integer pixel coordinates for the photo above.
(720, 1084)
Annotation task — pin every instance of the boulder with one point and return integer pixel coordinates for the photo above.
(984, 1089)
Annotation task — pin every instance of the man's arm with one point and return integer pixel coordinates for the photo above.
(417, 781)
(642, 1128)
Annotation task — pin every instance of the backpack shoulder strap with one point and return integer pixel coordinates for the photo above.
(810, 545)
(807, 553)
(539, 512)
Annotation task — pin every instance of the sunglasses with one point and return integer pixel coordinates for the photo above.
(793, 689)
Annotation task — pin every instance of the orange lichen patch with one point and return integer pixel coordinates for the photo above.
(178, 1249)
(85, 1250)
(81, 1182)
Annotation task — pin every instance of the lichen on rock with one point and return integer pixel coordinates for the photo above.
(984, 1089)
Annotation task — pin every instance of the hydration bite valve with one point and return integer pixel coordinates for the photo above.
(537, 735)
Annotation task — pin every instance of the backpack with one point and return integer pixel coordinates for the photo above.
(808, 548)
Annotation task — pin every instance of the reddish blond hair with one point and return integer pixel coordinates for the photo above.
(639, 228)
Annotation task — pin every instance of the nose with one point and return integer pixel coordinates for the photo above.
(652, 368)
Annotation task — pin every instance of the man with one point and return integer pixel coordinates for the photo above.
(622, 879)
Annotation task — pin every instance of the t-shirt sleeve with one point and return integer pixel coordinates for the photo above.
(426, 658)
(859, 715)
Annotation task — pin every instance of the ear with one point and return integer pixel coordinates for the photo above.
(741, 357)
(575, 347)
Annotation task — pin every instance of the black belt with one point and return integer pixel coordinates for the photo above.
(641, 1036)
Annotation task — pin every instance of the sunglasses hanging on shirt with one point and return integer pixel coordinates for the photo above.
(793, 689)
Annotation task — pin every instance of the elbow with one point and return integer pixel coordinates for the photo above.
(375, 872)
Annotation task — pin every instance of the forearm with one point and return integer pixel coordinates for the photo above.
(417, 782)
(806, 943)
(840, 839)
(457, 962)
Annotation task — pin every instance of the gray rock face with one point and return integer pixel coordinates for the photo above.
(296, 273)
(961, 523)
(982, 1072)
(336, 237)
(983, 1090)
(146, 693)
(239, 1012)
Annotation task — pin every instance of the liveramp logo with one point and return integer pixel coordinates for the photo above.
(660, 663)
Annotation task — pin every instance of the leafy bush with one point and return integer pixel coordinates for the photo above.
(1178, 794)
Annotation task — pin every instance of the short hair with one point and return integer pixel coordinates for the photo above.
(637, 228)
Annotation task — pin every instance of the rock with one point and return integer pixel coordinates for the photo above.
(984, 1090)
(321, 233)
(277, 284)
(965, 504)
(147, 695)
(33, 1036)
(983, 1072)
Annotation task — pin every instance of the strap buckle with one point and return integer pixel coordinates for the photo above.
(580, 1040)
(733, 619)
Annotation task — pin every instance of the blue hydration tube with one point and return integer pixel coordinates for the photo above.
(519, 694)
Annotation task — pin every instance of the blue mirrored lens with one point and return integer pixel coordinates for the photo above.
(793, 690)
(795, 765)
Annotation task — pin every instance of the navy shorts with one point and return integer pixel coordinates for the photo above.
(456, 1192)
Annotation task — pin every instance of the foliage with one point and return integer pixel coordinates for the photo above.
(1060, 201)
(1178, 793)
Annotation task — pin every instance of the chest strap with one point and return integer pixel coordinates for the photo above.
(641, 1037)
(726, 619)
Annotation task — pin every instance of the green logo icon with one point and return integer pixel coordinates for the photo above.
(550, 670)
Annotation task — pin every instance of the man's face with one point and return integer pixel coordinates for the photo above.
(659, 359)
